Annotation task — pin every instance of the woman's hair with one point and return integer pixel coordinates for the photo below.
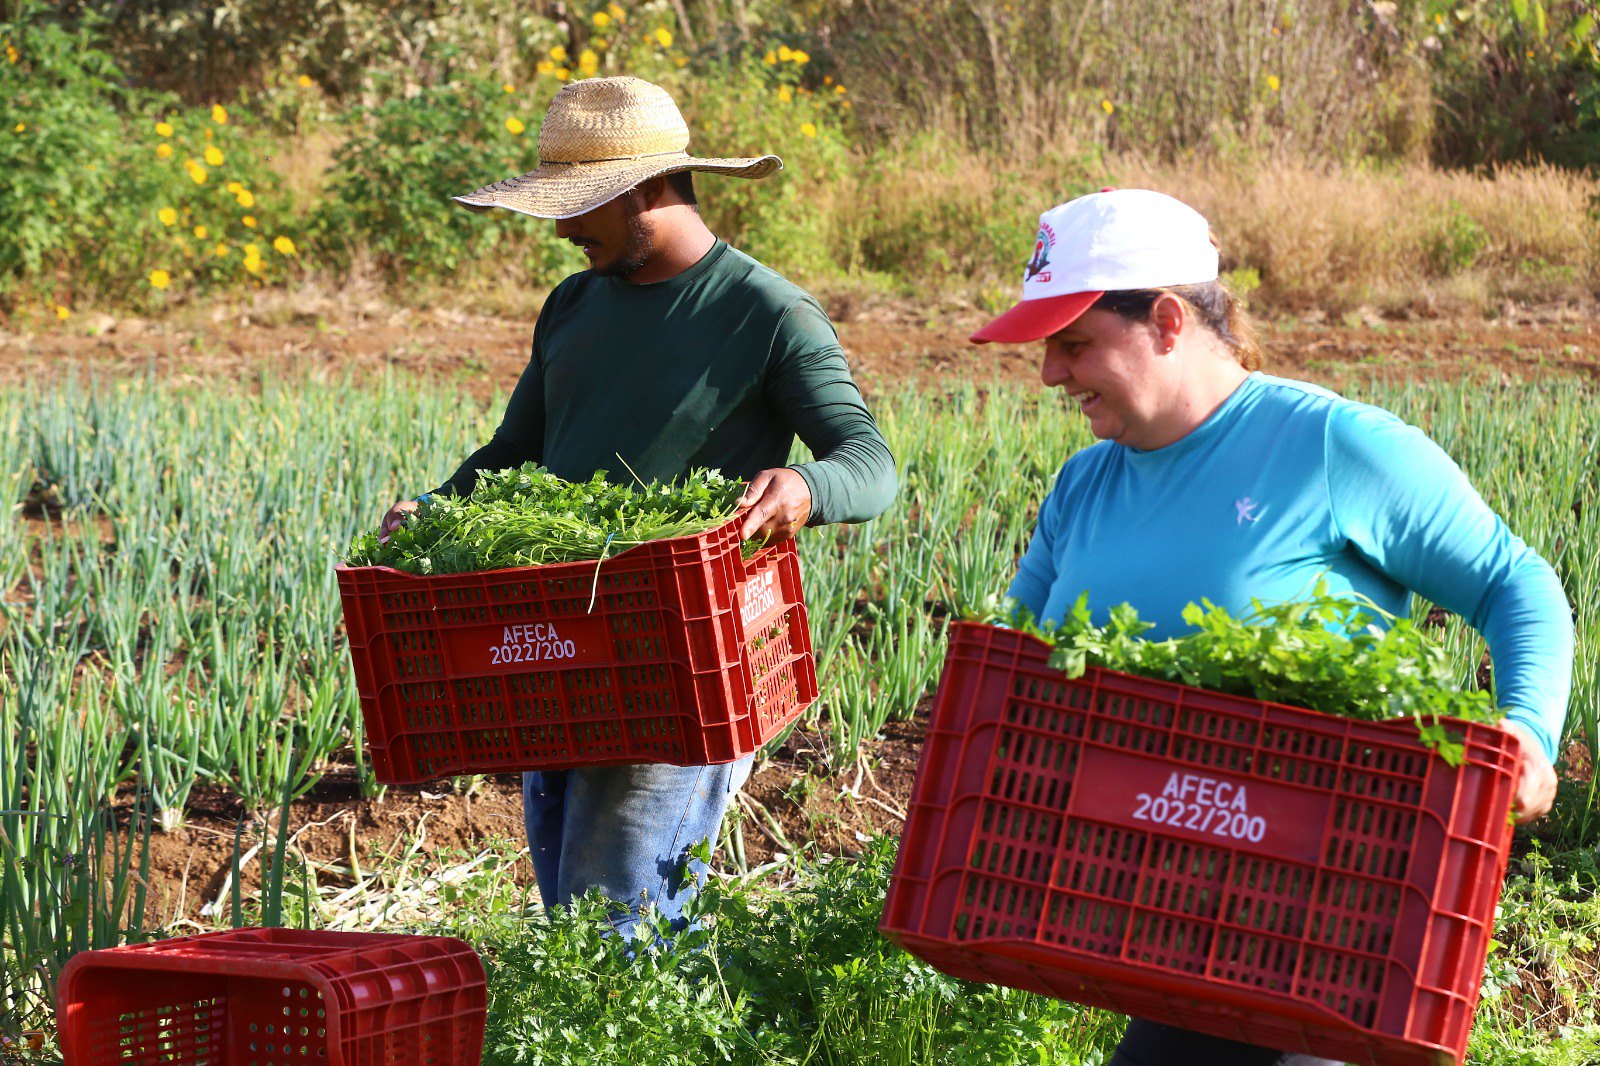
(1219, 309)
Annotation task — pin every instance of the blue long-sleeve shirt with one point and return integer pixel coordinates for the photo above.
(1285, 482)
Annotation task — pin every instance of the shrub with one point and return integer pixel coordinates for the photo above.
(405, 158)
(745, 107)
(1515, 80)
(101, 186)
(1459, 242)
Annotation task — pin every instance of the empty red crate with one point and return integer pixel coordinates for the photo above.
(275, 997)
(1245, 869)
(676, 651)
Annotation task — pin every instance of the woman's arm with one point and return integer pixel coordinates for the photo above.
(1406, 507)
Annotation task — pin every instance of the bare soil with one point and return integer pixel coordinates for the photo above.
(794, 800)
(327, 340)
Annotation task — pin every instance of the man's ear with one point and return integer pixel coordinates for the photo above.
(650, 193)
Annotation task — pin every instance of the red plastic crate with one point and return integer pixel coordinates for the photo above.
(275, 997)
(1250, 870)
(687, 653)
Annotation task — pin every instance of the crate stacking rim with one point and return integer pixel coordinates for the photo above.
(275, 997)
(675, 651)
(1250, 870)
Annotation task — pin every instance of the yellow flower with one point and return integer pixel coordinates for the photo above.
(1107, 106)
(808, 129)
(508, 87)
(784, 54)
(679, 59)
(515, 125)
(246, 198)
(1273, 82)
(770, 59)
(663, 36)
(283, 245)
(62, 313)
(844, 103)
(559, 54)
(235, 188)
(562, 73)
(163, 129)
(602, 19)
(220, 251)
(249, 221)
(200, 233)
(617, 12)
(197, 174)
(168, 216)
(305, 81)
(160, 279)
(785, 93)
(164, 151)
(827, 79)
(12, 55)
(219, 114)
(800, 57)
(252, 265)
(588, 62)
(544, 66)
(214, 155)
(839, 90)
(21, 127)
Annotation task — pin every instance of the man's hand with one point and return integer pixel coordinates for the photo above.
(1536, 791)
(779, 502)
(394, 517)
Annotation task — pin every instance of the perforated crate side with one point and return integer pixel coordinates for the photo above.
(255, 997)
(663, 662)
(1359, 914)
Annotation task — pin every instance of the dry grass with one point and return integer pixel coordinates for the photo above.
(1397, 239)
(304, 162)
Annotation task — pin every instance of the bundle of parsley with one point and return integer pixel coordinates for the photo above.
(529, 517)
(1325, 652)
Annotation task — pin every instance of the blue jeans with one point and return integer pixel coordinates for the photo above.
(624, 830)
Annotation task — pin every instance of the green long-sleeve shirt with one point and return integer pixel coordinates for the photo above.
(719, 367)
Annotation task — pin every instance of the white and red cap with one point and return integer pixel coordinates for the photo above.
(1107, 241)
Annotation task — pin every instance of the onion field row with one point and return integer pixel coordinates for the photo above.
(170, 616)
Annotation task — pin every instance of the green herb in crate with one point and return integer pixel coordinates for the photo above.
(529, 517)
(1324, 652)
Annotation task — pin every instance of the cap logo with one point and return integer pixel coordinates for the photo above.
(1041, 255)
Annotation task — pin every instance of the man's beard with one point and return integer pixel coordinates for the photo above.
(636, 248)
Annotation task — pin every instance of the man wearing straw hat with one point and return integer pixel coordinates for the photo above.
(672, 351)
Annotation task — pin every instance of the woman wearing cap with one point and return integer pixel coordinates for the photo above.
(1212, 480)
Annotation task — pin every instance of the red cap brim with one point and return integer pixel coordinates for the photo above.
(1034, 320)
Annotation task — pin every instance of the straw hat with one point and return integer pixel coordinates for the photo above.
(600, 138)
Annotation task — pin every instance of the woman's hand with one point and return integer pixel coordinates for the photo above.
(1536, 791)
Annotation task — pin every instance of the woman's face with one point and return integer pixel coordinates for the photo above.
(1116, 372)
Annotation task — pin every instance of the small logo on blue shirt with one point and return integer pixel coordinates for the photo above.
(1246, 508)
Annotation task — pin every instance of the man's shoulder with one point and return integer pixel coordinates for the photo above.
(763, 286)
